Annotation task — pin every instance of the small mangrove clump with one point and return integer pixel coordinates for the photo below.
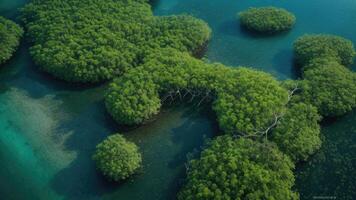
(117, 158)
(267, 19)
(10, 35)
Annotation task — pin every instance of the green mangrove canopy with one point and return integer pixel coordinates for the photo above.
(239, 169)
(298, 132)
(309, 47)
(10, 35)
(329, 85)
(117, 158)
(267, 19)
(248, 103)
(332, 88)
(244, 100)
(95, 40)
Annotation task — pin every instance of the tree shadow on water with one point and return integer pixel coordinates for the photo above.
(22, 73)
(234, 28)
(285, 64)
(244, 31)
(199, 125)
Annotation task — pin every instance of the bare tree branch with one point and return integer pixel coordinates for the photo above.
(277, 118)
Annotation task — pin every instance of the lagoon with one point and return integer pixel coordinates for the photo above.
(49, 129)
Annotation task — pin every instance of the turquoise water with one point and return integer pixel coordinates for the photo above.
(49, 129)
(232, 45)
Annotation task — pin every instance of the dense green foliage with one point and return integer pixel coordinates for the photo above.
(10, 34)
(332, 88)
(244, 100)
(239, 169)
(117, 158)
(228, 171)
(328, 84)
(94, 40)
(267, 19)
(297, 135)
(309, 47)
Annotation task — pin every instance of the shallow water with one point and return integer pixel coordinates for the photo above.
(49, 129)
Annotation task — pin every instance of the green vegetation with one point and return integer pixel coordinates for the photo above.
(244, 100)
(310, 47)
(94, 40)
(117, 158)
(151, 60)
(10, 35)
(239, 169)
(267, 19)
(297, 135)
(332, 88)
(248, 103)
(328, 84)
